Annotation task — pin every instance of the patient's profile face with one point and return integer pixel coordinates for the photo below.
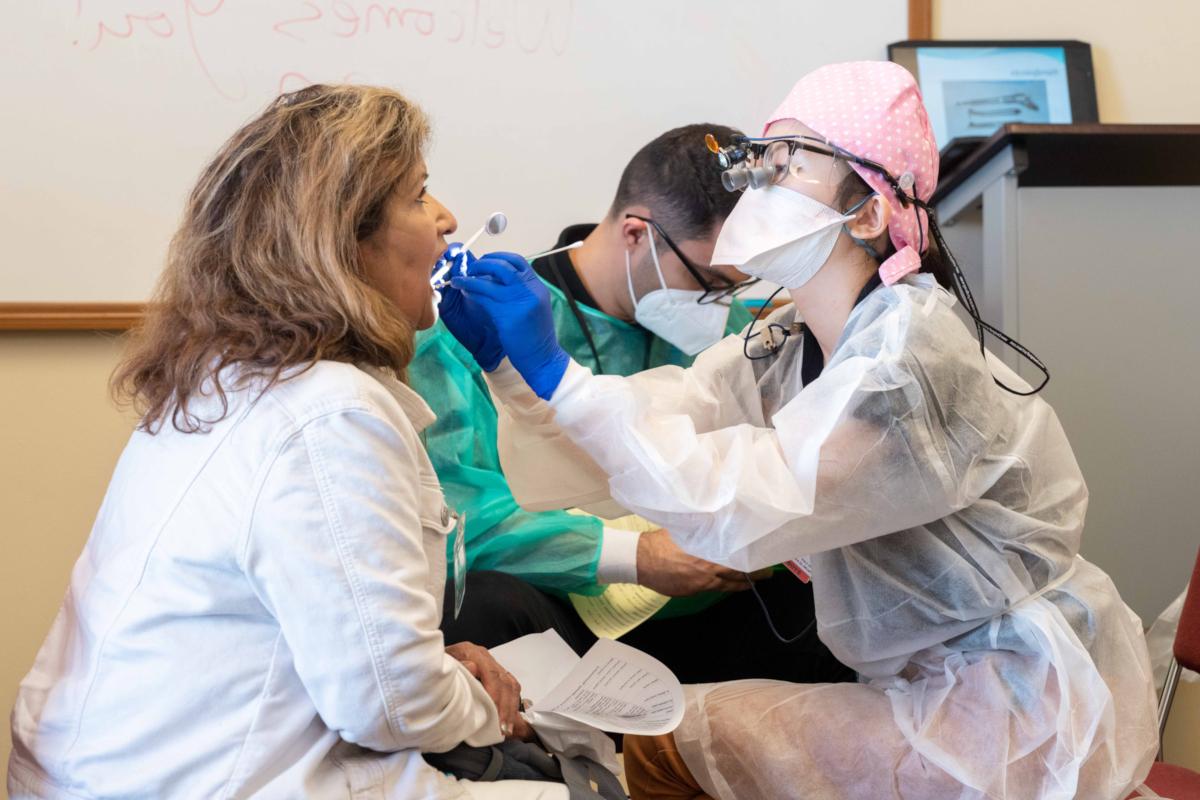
(398, 257)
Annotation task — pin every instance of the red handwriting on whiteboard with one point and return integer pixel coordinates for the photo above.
(377, 13)
(291, 81)
(312, 13)
(532, 26)
(109, 23)
(157, 24)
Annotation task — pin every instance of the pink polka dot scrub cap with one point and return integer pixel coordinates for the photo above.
(873, 110)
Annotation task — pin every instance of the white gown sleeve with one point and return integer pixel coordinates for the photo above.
(876, 444)
(545, 470)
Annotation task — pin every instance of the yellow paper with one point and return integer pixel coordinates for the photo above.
(620, 609)
(631, 522)
(622, 606)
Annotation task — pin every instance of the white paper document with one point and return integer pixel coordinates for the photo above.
(539, 661)
(614, 687)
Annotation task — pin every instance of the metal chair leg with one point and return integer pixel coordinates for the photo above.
(1164, 702)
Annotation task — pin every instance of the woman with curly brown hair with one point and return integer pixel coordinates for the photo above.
(256, 611)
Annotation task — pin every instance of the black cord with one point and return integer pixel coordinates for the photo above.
(771, 623)
(963, 290)
(752, 334)
(583, 326)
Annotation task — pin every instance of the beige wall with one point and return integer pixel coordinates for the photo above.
(1144, 52)
(59, 440)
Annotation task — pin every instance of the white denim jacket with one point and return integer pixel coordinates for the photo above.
(256, 614)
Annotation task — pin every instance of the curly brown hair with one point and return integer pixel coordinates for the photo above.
(264, 273)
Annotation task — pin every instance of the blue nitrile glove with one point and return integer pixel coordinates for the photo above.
(464, 318)
(507, 288)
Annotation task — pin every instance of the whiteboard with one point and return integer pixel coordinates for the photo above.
(112, 107)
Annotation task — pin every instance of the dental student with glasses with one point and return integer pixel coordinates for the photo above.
(866, 436)
(641, 291)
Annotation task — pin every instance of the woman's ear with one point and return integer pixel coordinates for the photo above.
(872, 219)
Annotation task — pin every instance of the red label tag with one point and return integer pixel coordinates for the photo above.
(801, 568)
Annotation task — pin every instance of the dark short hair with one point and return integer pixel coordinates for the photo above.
(678, 179)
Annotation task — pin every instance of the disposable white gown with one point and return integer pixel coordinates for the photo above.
(943, 517)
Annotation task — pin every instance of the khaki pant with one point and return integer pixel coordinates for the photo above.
(654, 770)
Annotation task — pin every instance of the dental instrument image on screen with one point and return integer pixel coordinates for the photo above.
(934, 492)
(1020, 97)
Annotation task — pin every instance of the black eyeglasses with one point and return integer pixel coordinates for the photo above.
(713, 290)
(757, 162)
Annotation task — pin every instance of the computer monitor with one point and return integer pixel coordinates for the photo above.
(971, 88)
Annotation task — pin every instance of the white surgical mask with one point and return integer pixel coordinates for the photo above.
(675, 314)
(780, 235)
